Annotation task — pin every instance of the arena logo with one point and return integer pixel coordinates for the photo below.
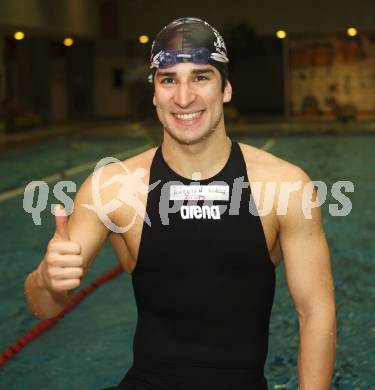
(175, 197)
(200, 212)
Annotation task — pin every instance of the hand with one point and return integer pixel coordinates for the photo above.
(62, 266)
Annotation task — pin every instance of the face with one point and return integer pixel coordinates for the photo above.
(189, 101)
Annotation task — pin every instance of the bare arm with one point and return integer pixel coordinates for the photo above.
(69, 254)
(308, 271)
(122, 252)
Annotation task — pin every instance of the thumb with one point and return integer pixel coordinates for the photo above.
(61, 220)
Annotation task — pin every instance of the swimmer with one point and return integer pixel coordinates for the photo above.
(203, 277)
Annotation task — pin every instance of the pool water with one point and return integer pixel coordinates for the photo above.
(90, 348)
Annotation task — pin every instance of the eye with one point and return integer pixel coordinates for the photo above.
(167, 80)
(201, 78)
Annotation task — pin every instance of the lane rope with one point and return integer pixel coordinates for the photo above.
(44, 325)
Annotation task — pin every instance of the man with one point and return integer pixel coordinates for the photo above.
(202, 259)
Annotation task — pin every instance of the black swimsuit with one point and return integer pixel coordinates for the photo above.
(204, 286)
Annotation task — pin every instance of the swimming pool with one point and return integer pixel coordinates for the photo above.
(91, 347)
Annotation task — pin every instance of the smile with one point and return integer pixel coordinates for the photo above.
(188, 117)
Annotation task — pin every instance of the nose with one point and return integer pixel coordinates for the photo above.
(184, 94)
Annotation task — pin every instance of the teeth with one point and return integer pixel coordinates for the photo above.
(188, 117)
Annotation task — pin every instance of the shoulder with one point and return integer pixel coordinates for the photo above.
(130, 165)
(264, 166)
(108, 174)
(142, 160)
(292, 189)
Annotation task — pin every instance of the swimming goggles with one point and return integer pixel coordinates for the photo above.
(200, 55)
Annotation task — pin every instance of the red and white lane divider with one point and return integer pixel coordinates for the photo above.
(44, 325)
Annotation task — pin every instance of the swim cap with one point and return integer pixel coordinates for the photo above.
(189, 40)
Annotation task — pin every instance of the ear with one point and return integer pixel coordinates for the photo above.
(227, 95)
(154, 100)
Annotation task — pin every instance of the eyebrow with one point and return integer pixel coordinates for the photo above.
(194, 71)
(198, 71)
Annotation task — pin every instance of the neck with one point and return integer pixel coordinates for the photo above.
(206, 157)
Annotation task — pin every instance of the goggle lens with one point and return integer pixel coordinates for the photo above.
(169, 58)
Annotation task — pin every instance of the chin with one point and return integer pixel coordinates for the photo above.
(191, 138)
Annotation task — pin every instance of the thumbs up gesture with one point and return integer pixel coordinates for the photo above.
(62, 266)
